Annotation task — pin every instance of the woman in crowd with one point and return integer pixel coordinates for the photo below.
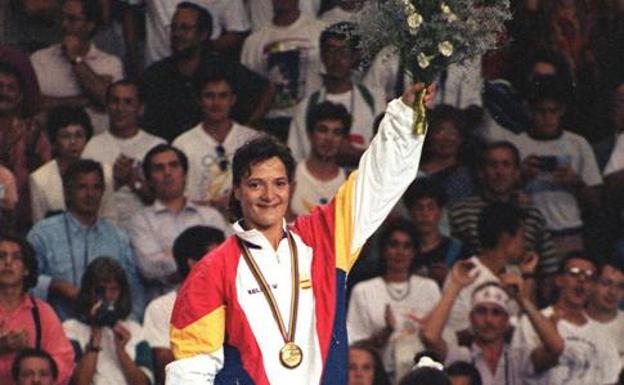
(69, 129)
(365, 366)
(387, 311)
(110, 347)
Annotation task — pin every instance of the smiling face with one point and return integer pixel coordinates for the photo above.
(124, 107)
(264, 195)
(608, 289)
(398, 252)
(10, 94)
(445, 139)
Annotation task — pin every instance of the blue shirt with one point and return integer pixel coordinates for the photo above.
(64, 249)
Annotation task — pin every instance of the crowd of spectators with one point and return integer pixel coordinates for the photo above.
(119, 120)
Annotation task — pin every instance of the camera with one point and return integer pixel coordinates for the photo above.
(106, 314)
(548, 163)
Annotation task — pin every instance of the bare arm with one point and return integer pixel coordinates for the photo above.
(133, 374)
(161, 358)
(85, 368)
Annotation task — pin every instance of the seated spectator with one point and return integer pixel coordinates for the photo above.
(588, 356)
(463, 373)
(189, 247)
(171, 106)
(436, 253)
(122, 147)
(487, 349)
(211, 144)
(318, 176)
(34, 367)
(386, 311)
(442, 154)
(230, 26)
(27, 322)
(563, 179)
(75, 71)
(154, 229)
(365, 366)
(23, 145)
(69, 129)
(606, 296)
(287, 52)
(339, 57)
(67, 242)
(110, 347)
(501, 235)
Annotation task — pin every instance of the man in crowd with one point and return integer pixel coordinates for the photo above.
(211, 144)
(154, 228)
(589, 356)
(123, 146)
(67, 242)
(339, 57)
(223, 330)
(189, 247)
(287, 52)
(607, 295)
(34, 367)
(318, 176)
(497, 362)
(171, 99)
(75, 71)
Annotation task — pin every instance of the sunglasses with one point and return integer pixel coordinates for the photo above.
(222, 160)
(577, 272)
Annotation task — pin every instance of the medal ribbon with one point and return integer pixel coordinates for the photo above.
(287, 335)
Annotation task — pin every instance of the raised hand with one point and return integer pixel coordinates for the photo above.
(463, 274)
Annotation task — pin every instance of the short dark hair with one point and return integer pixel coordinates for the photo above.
(548, 87)
(424, 188)
(209, 77)
(29, 259)
(8, 68)
(343, 31)
(252, 153)
(32, 353)
(126, 82)
(447, 113)
(502, 144)
(575, 255)
(158, 149)
(399, 225)
(193, 243)
(204, 18)
(63, 116)
(103, 269)
(496, 219)
(426, 375)
(463, 368)
(328, 111)
(613, 262)
(80, 167)
(380, 377)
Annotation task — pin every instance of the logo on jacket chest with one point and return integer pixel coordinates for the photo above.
(257, 290)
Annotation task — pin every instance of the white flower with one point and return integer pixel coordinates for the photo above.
(423, 60)
(414, 21)
(445, 8)
(445, 48)
(447, 13)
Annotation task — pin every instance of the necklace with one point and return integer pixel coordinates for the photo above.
(396, 293)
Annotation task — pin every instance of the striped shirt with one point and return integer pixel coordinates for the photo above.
(464, 221)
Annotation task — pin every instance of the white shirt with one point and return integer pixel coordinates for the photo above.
(410, 303)
(210, 175)
(589, 357)
(47, 195)
(56, 77)
(615, 330)
(229, 15)
(156, 320)
(558, 205)
(508, 368)
(261, 11)
(106, 148)
(289, 56)
(616, 160)
(311, 192)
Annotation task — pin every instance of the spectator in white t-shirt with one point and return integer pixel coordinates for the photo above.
(318, 177)
(562, 175)
(211, 144)
(607, 295)
(122, 147)
(189, 247)
(261, 11)
(589, 356)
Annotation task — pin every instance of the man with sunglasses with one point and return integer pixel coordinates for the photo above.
(487, 347)
(607, 296)
(211, 144)
(588, 357)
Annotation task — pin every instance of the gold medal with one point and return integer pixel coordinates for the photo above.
(291, 355)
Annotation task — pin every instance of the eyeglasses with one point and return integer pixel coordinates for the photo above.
(222, 160)
(577, 272)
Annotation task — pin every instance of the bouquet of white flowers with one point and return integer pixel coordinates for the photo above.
(429, 35)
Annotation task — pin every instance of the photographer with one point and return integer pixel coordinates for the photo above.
(110, 348)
